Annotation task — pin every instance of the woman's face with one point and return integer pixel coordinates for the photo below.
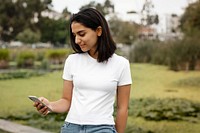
(85, 37)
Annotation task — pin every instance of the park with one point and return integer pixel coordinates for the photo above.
(165, 71)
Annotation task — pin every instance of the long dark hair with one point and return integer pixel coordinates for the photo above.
(92, 18)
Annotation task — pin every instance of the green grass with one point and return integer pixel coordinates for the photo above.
(165, 126)
(159, 82)
(15, 92)
(149, 80)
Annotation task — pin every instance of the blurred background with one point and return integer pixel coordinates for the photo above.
(160, 38)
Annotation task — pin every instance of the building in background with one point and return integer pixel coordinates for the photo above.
(169, 27)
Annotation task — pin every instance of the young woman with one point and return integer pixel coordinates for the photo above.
(93, 77)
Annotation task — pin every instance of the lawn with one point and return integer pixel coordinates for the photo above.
(148, 81)
(159, 82)
(15, 92)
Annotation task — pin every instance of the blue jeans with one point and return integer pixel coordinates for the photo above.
(75, 128)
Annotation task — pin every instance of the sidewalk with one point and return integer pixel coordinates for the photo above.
(17, 128)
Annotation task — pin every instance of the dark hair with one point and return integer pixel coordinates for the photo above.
(91, 18)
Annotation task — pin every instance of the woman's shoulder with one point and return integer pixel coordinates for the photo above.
(76, 55)
(119, 58)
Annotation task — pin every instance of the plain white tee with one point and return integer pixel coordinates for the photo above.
(95, 86)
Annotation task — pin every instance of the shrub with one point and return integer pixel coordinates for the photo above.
(26, 59)
(57, 56)
(160, 55)
(178, 55)
(165, 109)
(29, 36)
(142, 52)
(4, 58)
(184, 54)
(40, 55)
(19, 74)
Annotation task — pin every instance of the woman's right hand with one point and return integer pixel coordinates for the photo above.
(43, 109)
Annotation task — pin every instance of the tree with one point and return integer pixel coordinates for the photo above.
(17, 15)
(28, 36)
(54, 31)
(66, 13)
(190, 20)
(122, 31)
(106, 8)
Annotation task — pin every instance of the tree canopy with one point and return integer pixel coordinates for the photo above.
(106, 8)
(17, 15)
(190, 21)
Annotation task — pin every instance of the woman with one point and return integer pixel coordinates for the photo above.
(93, 76)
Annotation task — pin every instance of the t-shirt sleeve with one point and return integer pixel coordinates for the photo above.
(125, 77)
(67, 72)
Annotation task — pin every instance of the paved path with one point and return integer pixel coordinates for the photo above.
(17, 128)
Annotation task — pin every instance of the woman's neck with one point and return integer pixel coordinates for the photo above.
(93, 54)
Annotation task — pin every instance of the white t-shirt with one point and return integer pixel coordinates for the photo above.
(95, 86)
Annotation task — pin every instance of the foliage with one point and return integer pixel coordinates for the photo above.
(54, 31)
(4, 54)
(17, 15)
(143, 52)
(149, 108)
(190, 20)
(178, 55)
(19, 74)
(4, 58)
(26, 59)
(184, 54)
(126, 33)
(57, 56)
(105, 8)
(28, 36)
(165, 109)
(40, 55)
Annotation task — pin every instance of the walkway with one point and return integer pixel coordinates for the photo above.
(17, 128)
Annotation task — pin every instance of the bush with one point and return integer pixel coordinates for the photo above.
(19, 74)
(40, 55)
(26, 59)
(29, 36)
(4, 58)
(57, 56)
(165, 109)
(142, 52)
(178, 55)
(184, 54)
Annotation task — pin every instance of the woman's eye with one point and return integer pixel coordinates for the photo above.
(82, 34)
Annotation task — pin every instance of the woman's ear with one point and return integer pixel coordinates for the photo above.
(99, 31)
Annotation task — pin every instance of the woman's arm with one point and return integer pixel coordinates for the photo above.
(64, 103)
(123, 94)
(60, 106)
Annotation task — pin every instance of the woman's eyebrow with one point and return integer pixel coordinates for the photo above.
(79, 32)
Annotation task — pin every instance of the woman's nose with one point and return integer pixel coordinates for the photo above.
(77, 40)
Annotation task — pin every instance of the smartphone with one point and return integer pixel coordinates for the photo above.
(35, 99)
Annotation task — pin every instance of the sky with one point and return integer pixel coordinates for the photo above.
(122, 6)
(161, 7)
